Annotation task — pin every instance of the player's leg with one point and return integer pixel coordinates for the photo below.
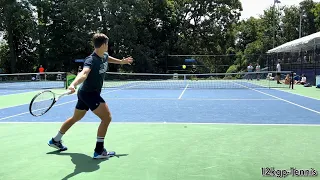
(79, 113)
(77, 116)
(278, 78)
(103, 112)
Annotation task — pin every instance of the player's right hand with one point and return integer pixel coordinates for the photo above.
(72, 89)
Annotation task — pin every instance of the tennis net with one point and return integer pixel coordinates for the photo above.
(245, 80)
(46, 80)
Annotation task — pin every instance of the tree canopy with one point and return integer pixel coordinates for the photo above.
(54, 33)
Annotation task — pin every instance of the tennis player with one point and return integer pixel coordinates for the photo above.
(92, 77)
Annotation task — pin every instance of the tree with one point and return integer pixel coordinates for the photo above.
(18, 23)
(290, 23)
(316, 12)
(308, 18)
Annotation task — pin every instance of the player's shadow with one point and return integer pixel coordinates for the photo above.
(82, 162)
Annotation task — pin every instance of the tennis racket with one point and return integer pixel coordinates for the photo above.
(43, 102)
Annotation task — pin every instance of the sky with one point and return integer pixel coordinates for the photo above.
(256, 7)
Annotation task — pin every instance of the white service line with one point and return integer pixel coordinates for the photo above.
(28, 103)
(183, 91)
(37, 110)
(59, 104)
(312, 110)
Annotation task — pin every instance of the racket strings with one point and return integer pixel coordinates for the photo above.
(42, 103)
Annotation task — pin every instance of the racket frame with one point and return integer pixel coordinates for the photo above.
(55, 99)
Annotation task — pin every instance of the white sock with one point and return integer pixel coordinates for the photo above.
(58, 136)
(100, 139)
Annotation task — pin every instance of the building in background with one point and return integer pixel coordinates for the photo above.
(302, 56)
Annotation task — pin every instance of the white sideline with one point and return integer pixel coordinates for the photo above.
(183, 91)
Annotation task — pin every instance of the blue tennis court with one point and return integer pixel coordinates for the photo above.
(30, 82)
(253, 106)
(168, 130)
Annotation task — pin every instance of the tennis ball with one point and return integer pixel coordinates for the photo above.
(184, 66)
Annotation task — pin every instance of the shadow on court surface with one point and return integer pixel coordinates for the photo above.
(82, 162)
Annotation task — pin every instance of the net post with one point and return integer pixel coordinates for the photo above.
(66, 81)
(269, 79)
(292, 80)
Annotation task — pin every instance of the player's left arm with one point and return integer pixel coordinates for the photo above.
(113, 60)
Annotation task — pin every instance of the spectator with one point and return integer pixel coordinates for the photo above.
(287, 80)
(79, 69)
(41, 71)
(296, 78)
(250, 68)
(305, 59)
(258, 70)
(303, 80)
(278, 77)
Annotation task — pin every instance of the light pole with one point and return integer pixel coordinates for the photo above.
(300, 25)
(301, 12)
(274, 19)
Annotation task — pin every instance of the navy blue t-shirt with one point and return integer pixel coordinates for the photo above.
(99, 67)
